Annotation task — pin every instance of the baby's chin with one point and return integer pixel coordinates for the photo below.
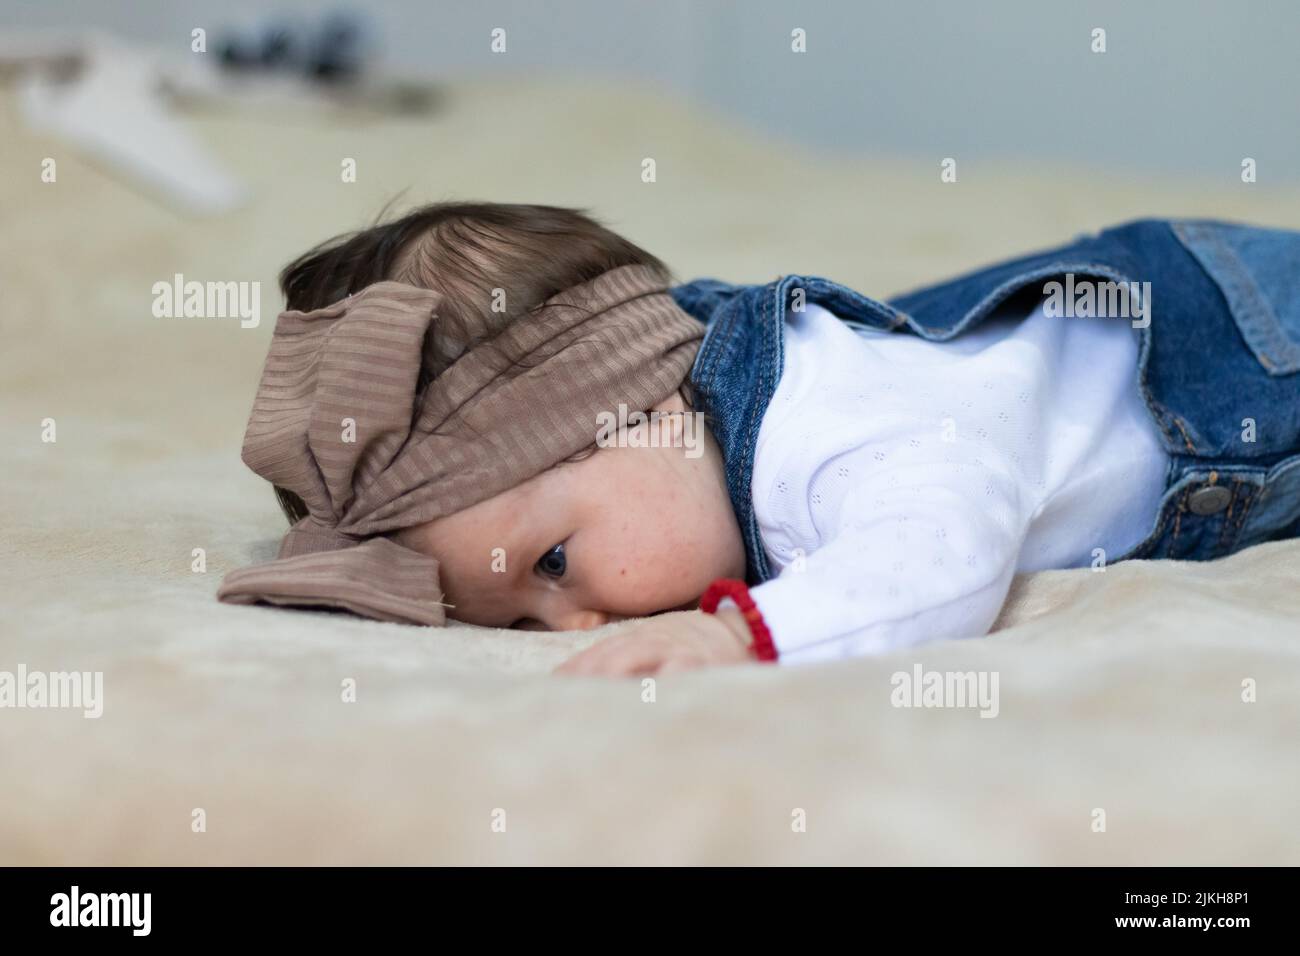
(734, 569)
(688, 606)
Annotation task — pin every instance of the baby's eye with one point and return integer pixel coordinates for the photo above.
(552, 563)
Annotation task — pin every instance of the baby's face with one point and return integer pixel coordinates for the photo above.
(626, 532)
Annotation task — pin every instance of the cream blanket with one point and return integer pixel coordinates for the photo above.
(1120, 691)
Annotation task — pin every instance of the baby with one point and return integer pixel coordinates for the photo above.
(804, 473)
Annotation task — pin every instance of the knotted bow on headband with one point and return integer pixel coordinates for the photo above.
(337, 420)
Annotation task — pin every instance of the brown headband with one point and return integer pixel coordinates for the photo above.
(338, 421)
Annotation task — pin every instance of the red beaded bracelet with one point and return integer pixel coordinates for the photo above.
(762, 648)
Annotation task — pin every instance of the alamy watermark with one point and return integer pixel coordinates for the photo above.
(83, 690)
(954, 689)
(622, 430)
(1089, 298)
(130, 910)
(179, 299)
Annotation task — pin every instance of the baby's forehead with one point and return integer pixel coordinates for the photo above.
(459, 540)
(465, 566)
(485, 537)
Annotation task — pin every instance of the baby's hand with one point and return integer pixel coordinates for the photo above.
(666, 643)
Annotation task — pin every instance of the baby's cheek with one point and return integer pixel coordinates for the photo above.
(635, 576)
(652, 558)
(679, 566)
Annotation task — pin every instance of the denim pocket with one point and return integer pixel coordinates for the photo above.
(1258, 272)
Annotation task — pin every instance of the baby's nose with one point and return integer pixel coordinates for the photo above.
(585, 620)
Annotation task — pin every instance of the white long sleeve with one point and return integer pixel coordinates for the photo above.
(900, 484)
(917, 559)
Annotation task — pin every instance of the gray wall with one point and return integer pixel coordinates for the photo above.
(1185, 87)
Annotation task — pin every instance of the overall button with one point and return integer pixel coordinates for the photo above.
(1209, 501)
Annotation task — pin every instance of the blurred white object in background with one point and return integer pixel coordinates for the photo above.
(120, 102)
(107, 98)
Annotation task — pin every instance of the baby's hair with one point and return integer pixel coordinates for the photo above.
(465, 251)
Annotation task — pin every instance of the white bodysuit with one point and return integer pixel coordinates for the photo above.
(899, 484)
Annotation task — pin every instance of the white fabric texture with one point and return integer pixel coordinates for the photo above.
(899, 484)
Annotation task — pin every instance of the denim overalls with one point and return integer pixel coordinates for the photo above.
(1218, 366)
